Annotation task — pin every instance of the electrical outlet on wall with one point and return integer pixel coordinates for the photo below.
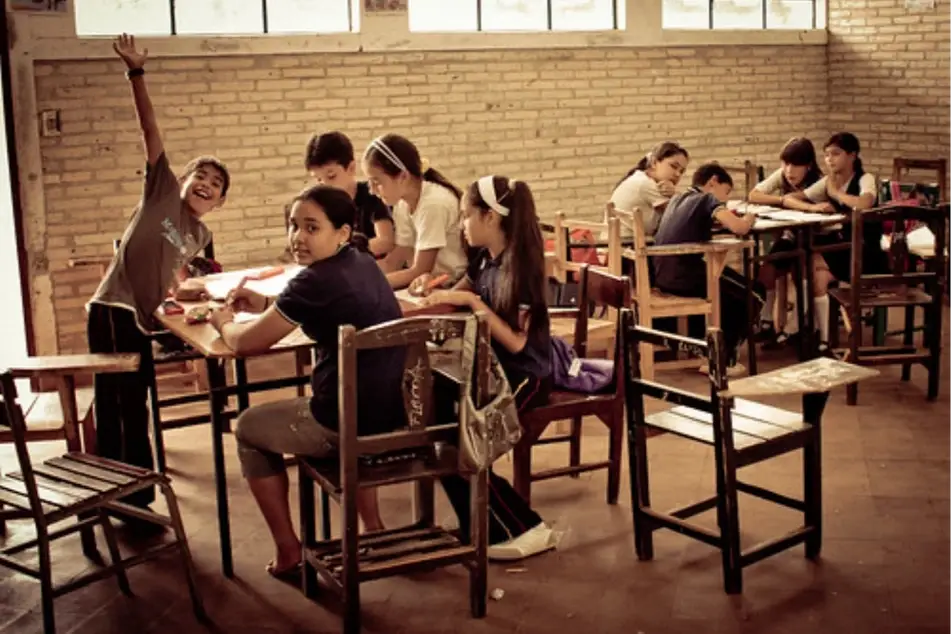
(50, 123)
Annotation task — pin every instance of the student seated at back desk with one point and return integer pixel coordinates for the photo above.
(329, 160)
(690, 217)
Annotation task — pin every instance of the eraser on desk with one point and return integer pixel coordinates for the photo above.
(171, 307)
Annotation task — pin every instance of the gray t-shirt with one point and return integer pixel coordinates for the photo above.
(161, 238)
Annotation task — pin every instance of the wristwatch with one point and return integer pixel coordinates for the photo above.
(134, 72)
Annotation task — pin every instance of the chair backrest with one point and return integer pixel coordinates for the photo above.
(938, 167)
(12, 417)
(749, 173)
(601, 289)
(414, 334)
(713, 349)
(564, 229)
(935, 218)
(637, 252)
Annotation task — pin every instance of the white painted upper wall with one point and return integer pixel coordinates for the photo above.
(53, 37)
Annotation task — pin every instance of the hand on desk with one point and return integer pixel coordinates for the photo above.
(245, 300)
(822, 208)
(221, 316)
(426, 283)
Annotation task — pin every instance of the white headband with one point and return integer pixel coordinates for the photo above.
(387, 152)
(486, 186)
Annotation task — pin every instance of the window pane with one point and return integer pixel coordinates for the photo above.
(219, 17)
(738, 14)
(514, 15)
(788, 14)
(112, 17)
(308, 16)
(583, 15)
(686, 14)
(431, 15)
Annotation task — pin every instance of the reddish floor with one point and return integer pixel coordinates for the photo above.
(884, 565)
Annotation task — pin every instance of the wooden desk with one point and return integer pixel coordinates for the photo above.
(818, 375)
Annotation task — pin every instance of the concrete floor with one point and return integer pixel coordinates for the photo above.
(884, 565)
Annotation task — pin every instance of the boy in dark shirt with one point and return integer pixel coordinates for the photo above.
(690, 217)
(329, 160)
(165, 232)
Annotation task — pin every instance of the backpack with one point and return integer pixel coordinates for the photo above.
(569, 372)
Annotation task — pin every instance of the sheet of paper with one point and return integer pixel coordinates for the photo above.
(220, 284)
(404, 295)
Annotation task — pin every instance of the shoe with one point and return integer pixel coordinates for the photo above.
(778, 342)
(765, 332)
(532, 542)
(732, 371)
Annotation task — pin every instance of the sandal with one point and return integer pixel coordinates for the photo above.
(778, 343)
(285, 574)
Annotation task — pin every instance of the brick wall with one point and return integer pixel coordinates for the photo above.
(888, 78)
(570, 122)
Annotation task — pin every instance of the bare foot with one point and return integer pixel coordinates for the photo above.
(288, 559)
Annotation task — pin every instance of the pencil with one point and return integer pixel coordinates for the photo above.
(437, 281)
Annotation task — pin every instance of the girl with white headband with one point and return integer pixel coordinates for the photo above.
(506, 281)
(425, 213)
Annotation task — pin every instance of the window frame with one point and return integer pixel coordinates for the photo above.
(615, 20)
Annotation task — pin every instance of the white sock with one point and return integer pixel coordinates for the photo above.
(822, 317)
(792, 321)
(767, 313)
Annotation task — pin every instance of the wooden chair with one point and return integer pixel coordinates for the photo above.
(741, 433)
(901, 167)
(612, 254)
(83, 487)
(898, 288)
(600, 289)
(653, 304)
(749, 174)
(418, 453)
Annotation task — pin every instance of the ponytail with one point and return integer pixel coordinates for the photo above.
(433, 176)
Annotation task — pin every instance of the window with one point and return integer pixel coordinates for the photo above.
(215, 17)
(111, 17)
(742, 14)
(516, 15)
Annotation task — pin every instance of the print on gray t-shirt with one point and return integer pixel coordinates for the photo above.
(161, 238)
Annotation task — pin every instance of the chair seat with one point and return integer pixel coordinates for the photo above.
(70, 482)
(404, 465)
(667, 305)
(753, 423)
(564, 404)
(883, 297)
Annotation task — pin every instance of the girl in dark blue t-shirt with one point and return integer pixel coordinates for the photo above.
(506, 281)
(341, 284)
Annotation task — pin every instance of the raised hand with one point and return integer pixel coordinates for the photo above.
(124, 46)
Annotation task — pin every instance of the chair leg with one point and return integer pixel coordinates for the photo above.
(728, 519)
(324, 515)
(478, 536)
(88, 431)
(640, 490)
(350, 564)
(158, 440)
(46, 580)
(172, 502)
(812, 496)
(308, 532)
(908, 339)
(574, 444)
(933, 343)
(852, 389)
(109, 533)
(522, 467)
(87, 538)
(615, 443)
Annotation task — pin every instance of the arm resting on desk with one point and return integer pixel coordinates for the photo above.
(255, 337)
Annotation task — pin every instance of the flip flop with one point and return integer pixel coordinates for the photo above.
(284, 574)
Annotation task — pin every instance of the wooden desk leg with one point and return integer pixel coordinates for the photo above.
(241, 382)
(147, 367)
(216, 402)
(802, 270)
(748, 268)
(807, 328)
